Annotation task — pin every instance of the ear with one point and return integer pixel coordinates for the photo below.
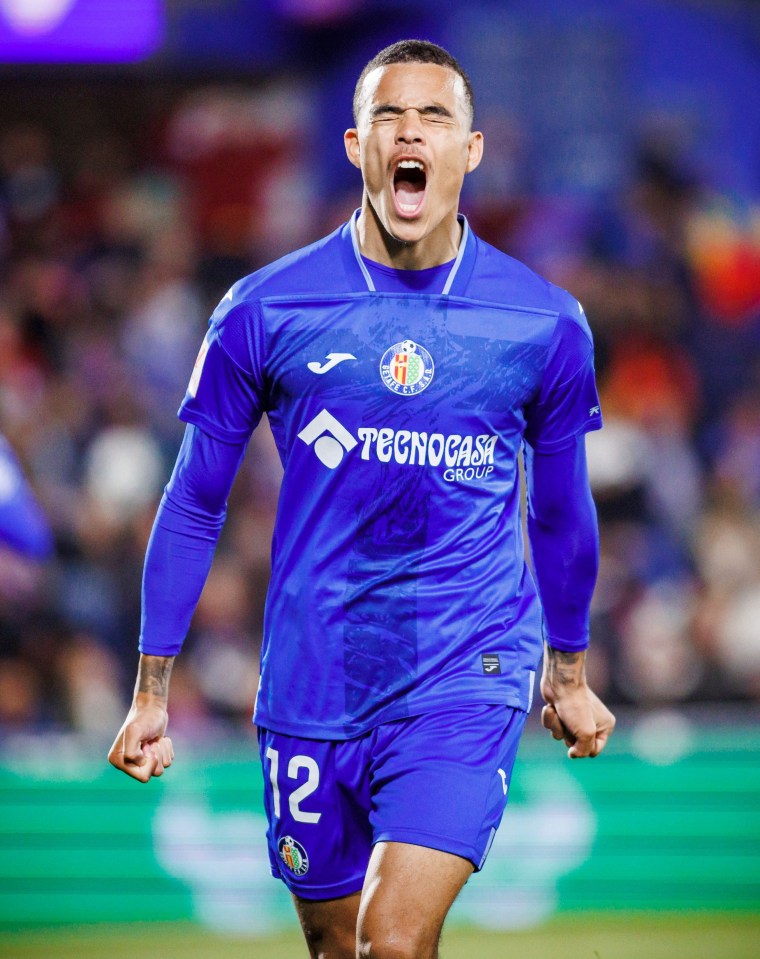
(474, 151)
(353, 150)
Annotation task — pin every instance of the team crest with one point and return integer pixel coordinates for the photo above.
(293, 855)
(407, 368)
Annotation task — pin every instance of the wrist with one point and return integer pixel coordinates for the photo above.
(574, 641)
(152, 685)
(564, 670)
(143, 701)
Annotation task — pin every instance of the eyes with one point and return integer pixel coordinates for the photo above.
(434, 121)
(432, 116)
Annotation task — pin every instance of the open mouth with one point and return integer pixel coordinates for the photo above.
(409, 183)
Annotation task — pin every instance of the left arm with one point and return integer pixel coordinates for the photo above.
(564, 539)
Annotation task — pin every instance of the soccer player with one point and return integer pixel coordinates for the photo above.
(404, 365)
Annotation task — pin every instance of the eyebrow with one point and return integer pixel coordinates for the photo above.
(434, 109)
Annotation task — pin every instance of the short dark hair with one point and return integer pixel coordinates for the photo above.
(414, 51)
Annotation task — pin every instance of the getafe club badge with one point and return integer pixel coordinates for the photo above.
(293, 855)
(407, 368)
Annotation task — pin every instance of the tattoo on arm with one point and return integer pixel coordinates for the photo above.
(153, 676)
(566, 669)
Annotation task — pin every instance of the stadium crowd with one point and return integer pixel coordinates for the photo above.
(114, 251)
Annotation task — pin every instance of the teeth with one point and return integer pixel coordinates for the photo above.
(410, 165)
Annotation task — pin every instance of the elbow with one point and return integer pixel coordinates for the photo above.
(176, 513)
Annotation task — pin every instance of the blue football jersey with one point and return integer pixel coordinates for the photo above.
(399, 584)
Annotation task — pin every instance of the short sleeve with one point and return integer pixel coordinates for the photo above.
(225, 396)
(567, 404)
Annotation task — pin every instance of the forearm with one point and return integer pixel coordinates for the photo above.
(565, 563)
(564, 539)
(184, 538)
(177, 563)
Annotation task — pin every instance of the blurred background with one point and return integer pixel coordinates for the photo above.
(154, 151)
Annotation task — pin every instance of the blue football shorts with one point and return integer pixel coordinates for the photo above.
(439, 780)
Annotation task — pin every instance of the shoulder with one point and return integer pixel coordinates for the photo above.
(303, 271)
(512, 282)
(237, 322)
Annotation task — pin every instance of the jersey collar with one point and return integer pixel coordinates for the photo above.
(460, 269)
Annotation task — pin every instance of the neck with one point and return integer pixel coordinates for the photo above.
(376, 243)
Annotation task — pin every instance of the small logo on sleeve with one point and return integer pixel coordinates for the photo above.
(594, 411)
(491, 664)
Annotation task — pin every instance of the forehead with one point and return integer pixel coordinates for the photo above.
(414, 85)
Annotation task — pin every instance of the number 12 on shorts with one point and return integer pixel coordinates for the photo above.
(298, 795)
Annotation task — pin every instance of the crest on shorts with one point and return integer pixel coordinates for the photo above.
(407, 368)
(293, 855)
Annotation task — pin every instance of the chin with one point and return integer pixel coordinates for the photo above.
(406, 231)
(407, 237)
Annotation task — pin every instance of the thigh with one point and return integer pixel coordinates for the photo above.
(316, 796)
(407, 894)
(329, 927)
(441, 780)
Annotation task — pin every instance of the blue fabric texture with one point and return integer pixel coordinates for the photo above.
(399, 585)
(440, 780)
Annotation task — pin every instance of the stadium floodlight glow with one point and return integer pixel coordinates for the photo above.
(79, 31)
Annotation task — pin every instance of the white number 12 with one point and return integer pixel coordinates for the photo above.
(298, 795)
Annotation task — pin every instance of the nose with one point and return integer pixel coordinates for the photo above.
(409, 127)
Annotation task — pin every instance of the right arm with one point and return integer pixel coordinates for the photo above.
(179, 555)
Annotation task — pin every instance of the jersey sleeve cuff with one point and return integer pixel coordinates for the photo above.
(568, 645)
(156, 649)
